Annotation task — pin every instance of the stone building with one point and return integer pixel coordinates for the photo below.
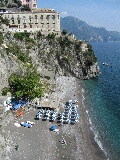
(43, 20)
(31, 3)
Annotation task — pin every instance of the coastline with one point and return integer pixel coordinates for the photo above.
(39, 143)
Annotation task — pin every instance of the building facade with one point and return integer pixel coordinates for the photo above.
(43, 20)
(31, 3)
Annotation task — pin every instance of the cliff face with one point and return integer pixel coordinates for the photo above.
(64, 55)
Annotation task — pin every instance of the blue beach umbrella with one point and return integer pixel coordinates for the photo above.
(53, 128)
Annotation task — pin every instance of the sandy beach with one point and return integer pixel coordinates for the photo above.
(39, 143)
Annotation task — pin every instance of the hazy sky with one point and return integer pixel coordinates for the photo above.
(99, 13)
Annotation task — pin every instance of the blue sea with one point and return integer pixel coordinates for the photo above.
(102, 99)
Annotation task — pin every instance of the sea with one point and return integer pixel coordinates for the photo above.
(102, 99)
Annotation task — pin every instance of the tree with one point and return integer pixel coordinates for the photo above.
(27, 85)
(25, 8)
(64, 32)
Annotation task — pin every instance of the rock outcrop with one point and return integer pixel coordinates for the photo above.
(64, 55)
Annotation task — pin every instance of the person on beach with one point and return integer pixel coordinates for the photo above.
(36, 105)
(63, 141)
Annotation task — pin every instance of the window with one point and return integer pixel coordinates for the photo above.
(48, 16)
(13, 22)
(24, 21)
(36, 26)
(41, 17)
(35, 16)
(24, 26)
(30, 26)
(42, 21)
(18, 21)
(58, 16)
(30, 21)
(53, 16)
(36, 21)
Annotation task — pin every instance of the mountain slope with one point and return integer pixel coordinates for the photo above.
(86, 32)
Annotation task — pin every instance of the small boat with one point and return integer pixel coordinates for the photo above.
(106, 64)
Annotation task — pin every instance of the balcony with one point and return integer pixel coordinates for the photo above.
(30, 22)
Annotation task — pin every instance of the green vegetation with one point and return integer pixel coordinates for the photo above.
(16, 50)
(51, 35)
(5, 90)
(39, 35)
(18, 2)
(89, 56)
(25, 8)
(7, 35)
(64, 32)
(64, 41)
(4, 21)
(24, 36)
(26, 85)
(12, 5)
(77, 45)
(21, 35)
(1, 38)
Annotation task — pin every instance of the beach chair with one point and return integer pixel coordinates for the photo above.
(19, 114)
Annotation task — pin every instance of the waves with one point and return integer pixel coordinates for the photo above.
(92, 127)
(101, 100)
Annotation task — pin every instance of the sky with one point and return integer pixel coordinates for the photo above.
(97, 13)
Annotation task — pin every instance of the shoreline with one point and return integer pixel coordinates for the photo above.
(43, 144)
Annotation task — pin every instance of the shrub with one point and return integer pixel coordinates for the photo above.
(21, 35)
(1, 38)
(4, 21)
(64, 32)
(64, 41)
(23, 56)
(5, 90)
(47, 77)
(25, 8)
(51, 35)
(12, 5)
(38, 35)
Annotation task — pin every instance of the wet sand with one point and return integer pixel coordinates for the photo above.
(39, 143)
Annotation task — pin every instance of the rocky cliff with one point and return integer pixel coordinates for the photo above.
(64, 55)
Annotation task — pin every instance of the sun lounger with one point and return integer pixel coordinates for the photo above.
(56, 130)
(26, 124)
(19, 114)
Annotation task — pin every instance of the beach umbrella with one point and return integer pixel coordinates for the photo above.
(53, 128)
